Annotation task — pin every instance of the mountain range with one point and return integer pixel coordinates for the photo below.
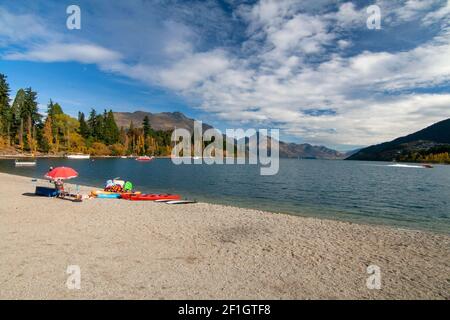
(308, 151)
(433, 138)
(172, 120)
(159, 121)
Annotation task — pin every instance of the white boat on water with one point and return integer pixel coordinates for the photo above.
(19, 163)
(399, 165)
(78, 156)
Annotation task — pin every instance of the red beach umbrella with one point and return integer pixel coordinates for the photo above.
(61, 173)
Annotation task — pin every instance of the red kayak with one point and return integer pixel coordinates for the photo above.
(128, 195)
(152, 197)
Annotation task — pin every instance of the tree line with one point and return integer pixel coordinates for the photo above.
(437, 154)
(24, 129)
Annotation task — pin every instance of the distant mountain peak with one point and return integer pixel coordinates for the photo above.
(138, 112)
(158, 121)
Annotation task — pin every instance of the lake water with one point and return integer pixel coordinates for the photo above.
(365, 192)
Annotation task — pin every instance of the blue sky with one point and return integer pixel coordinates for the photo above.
(310, 68)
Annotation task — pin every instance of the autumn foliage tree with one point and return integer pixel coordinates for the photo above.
(23, 128)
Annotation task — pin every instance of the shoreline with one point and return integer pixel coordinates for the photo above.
(296, 214)
(50, 156)
(146, 250)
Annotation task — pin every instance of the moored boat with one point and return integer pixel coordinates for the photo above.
(78, 156)
(145, 158)
(19, 163)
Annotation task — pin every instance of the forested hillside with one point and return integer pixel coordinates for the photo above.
(24, 130)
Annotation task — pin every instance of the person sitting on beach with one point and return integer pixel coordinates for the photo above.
(59, 186)
(48, 171)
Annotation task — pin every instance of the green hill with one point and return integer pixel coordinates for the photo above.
(423, 145)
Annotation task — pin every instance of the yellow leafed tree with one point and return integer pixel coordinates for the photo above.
(140, 146)
(48, 135)
(32, 145)
(76, 143)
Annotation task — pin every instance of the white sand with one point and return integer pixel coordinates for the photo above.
(145, 250)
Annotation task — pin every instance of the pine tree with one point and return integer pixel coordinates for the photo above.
(95, 125)
(84, 129)
(98, 131)
(91, 120)
(20, 135)
(147, 132)
(21, 123)
(28, 135)
(31, 136)
(110, 130)
(15, 119)
(30, 107)
(131, 136)
(4, 106)
(146, 126)
(53, 109)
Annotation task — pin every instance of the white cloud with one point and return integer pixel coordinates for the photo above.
(60, 52)
(397, 12)
(302, 33)
(193, 69)
(348, 16)
(412, 9)
(441, 14)
(20, 27)
(377, 121)
(285, 67)
(278, 93)
(344, 43)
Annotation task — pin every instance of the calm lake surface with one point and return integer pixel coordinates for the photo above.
(365, 192)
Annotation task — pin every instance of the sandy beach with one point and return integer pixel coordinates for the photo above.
(146, 250)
